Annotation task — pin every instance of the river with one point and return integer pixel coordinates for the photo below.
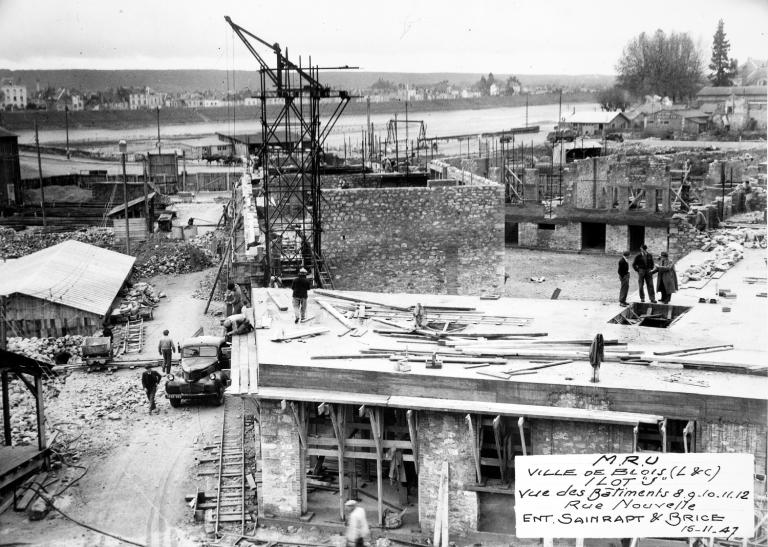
(348, 129)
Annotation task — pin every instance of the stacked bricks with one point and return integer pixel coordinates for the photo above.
(283, 487)
(444, 437)
(417, 240)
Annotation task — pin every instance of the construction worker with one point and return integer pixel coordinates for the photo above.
(300, 288)
(666, 282)
(643, 265)
(624, 278)
(234, 298)
(149, 381)
(165, 348)
(236, 324)
(357, 524)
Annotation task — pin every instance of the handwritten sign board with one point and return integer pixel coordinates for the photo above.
(634, 495)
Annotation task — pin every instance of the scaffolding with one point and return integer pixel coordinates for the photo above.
(292, 139)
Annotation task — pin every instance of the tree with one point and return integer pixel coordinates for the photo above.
(512, 85)
(382, 84)
(613, 98)
(723, 69)
(660, 64)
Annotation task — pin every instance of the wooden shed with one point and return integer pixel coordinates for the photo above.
(10, 172)
(69, 288)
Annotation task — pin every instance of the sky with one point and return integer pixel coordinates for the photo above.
(504, 36)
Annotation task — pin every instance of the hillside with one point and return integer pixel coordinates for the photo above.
(173, 81)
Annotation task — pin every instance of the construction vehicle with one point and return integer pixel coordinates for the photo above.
(205, 368)
(97, 350)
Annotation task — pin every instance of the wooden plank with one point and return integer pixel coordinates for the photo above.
(356, 454)
(374, 415)
(234, 364)
(340, 296)
(410, 417)
(318, 396)
(366, 443)
(253, 364)
(339, 429)
(314, 331)
(278, 299)
(327, 306)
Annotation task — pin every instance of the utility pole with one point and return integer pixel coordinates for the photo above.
(123, 147)
(6, 402)
(40, 173)
(66, 126)
(158, 129)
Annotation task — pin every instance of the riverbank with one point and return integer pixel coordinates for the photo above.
(126, 119)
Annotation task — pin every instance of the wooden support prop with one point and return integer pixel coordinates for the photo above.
(300, 420)
(475, 437)
(663, 432)
(555, 294)
(281, 304)
(327, 306)
(374, 415)
(392, 324)
(410, 417)
(322, 409)
(498, 437)
(688, 430)
(520, 424)
(337, 420)
(635, 433)
(40, 407)
(440, 536)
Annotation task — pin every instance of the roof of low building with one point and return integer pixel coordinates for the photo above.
(594, 117)
(5, 133)
(132, 203)
(752, 90)
(72, 273)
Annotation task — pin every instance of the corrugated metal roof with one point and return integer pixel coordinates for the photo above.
(72, 273)
(593, 117)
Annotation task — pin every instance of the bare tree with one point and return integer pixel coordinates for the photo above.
(661, 64)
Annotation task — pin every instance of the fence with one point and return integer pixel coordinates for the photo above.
(210, 182)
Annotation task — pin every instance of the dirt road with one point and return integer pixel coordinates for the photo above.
(140, 466)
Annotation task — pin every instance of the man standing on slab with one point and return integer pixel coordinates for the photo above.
(624, 278)
(300, 288)
(643, 265)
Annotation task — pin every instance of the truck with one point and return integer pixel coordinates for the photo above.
(205, 368)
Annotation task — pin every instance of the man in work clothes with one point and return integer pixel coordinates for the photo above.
(300, 287)
(149, 381)
(165, 347)
(624, 278)
(234, 298)
(357, 524)
(643, 265)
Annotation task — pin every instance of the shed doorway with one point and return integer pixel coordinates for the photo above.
(636, 236)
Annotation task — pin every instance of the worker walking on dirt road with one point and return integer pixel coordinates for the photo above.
(357, 524)
(149, 381)
(624, 278)
(643, 265)
(165, 347)
(300, 289)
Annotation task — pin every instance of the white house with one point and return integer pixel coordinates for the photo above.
(12, 96)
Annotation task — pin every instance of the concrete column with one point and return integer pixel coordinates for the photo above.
(444, 436)
(283, 491)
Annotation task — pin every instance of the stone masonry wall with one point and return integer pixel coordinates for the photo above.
(566, 437)
(732, 437)
(565, 237)
(616, 238)
(656, 239)
(429, 240)
(281, 488)
(444, 436)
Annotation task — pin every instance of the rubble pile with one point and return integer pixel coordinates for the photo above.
(141, 295)
(726, 247)
(47, 349)
(203, 290)
(23, 410)
(172, 259)
(17, 244)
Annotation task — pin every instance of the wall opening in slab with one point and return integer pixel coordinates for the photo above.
(511, 237)
(593, 236)
(636, 236)
(660, 316)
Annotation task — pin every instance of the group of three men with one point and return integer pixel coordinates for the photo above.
(644, 266)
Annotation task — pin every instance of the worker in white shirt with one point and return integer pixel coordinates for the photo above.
(357, 524)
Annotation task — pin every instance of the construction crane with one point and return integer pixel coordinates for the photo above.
(291, 152)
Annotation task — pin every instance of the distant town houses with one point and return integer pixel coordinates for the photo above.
(145, 100)
(13, 96)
